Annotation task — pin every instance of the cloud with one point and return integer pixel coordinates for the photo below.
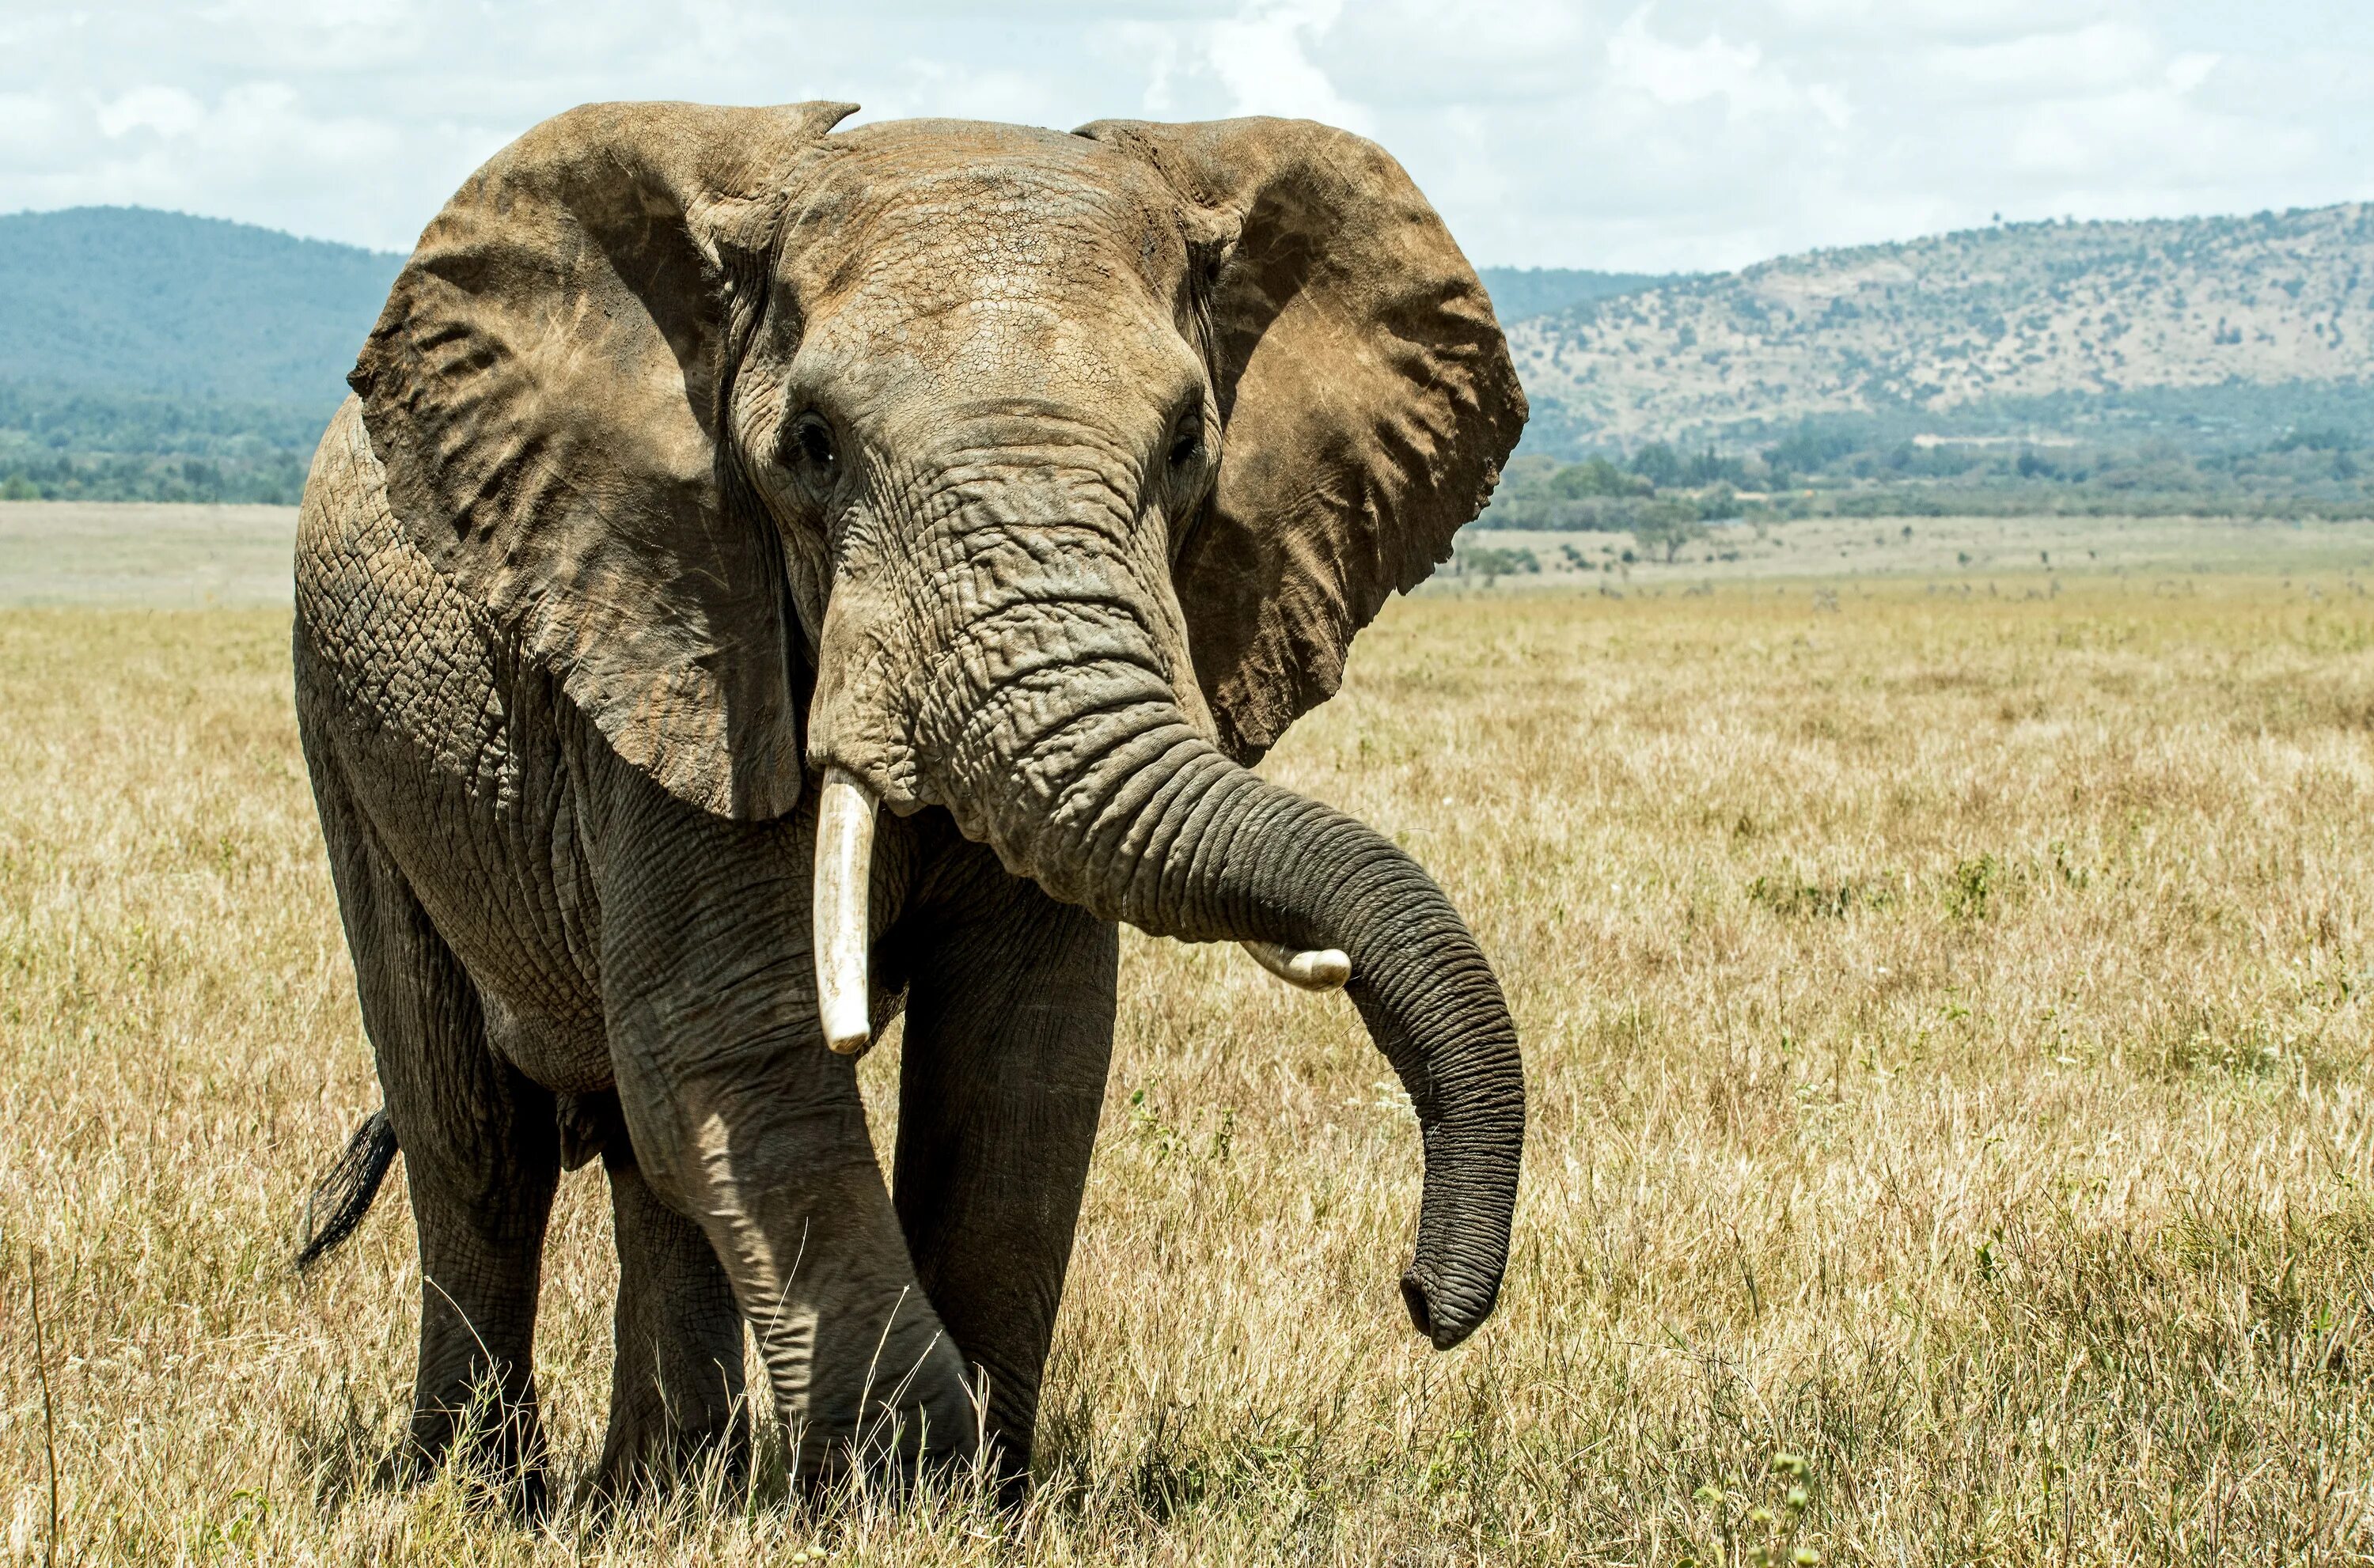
(2187, 72)
(1259, 58)
(1262, 57)
(1673, 74)
(169, 111)
(1594, 133)
(2099, 56)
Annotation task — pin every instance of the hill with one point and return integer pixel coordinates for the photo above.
(2193, 364)
(153, 356)
(2002, 330)
(1519, 293)
(123, 300)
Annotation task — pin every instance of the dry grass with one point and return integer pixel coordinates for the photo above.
(1948, 1070)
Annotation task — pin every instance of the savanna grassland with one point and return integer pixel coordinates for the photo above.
(1947, 1034)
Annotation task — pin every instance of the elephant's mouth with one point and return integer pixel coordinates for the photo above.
(845, 817)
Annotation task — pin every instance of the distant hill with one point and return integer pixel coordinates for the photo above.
(1519, 293)
(154, 356)
(127, 300)
(2038, 323)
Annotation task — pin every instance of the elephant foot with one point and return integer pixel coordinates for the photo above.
(822, 1473)
(497, 1451)
(919, 1447)
(524, 1492)
(645, 1461)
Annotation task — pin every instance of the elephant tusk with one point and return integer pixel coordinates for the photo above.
(845, 856)
(1322, 970)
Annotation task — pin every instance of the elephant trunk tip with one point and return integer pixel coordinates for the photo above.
(1446, 1315)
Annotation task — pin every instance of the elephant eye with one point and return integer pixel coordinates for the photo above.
(1187, 433)
(811, 447)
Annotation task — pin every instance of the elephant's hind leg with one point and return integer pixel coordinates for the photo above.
(481, 1159)
(675, 1384)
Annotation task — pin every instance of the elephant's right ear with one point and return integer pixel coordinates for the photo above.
(545, 391)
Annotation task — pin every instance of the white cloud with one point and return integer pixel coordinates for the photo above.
(2099, 56)
(2187, 72)
(1596, 132)
(1898, 22)
(1674, 74)
(169, 111)
(1263, 56)
(1259, 57)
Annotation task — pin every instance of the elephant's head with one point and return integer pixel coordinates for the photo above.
(1044, 478)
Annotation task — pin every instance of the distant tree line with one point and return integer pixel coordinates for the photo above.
(1663, 493)
(68, 445)
(274, 480)
(2299, 474)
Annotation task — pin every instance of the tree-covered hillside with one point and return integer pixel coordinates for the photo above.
(126, 299)
(1519, 293)
(2021, 327)
(159, 357)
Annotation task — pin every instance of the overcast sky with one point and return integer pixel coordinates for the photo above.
(1676, 133)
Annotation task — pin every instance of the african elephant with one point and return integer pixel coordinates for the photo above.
(714, 477)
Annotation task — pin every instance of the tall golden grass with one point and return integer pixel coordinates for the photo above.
(1950, 1139)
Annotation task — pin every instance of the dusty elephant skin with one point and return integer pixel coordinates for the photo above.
(1034, 483)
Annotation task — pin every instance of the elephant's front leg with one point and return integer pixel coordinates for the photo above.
(1008, 1037)
(676, 1380)
(743, 1122)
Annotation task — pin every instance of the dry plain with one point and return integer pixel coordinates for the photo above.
(1944, 997)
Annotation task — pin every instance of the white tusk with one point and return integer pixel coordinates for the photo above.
(844, 858)
(1323, 970)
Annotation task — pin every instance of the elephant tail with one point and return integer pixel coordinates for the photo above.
(343, 1196)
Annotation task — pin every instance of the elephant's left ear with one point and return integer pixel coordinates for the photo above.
(1367, 398)
(545, 390)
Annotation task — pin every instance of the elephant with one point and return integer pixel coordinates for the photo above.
(771, 576)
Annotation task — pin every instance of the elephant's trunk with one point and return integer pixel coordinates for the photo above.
(1085, 774)
(1163, 831)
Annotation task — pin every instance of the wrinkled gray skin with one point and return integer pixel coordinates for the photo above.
(1038, 479)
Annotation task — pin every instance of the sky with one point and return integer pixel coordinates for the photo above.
(1670, 134)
